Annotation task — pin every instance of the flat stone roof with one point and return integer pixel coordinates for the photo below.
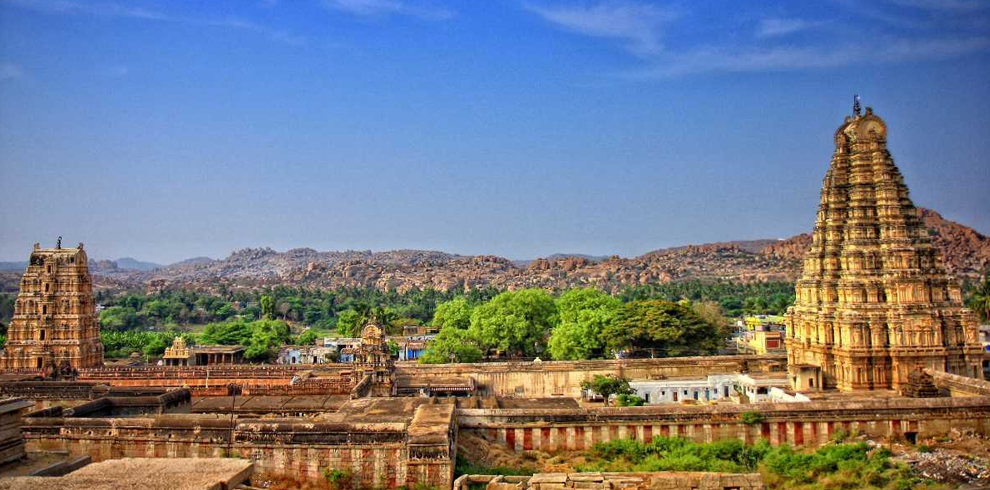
(144, 473)
(377, 410)
(266, 403)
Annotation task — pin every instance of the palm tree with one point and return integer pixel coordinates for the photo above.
(980, 300)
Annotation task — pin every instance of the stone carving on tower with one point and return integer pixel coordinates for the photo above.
(874, 302)
(54, 327)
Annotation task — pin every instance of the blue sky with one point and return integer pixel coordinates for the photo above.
(169, 129)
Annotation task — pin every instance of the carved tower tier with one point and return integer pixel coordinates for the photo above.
(54, 323)
(874, 302)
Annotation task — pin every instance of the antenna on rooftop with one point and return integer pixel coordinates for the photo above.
(856, 105)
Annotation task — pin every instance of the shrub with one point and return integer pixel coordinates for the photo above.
(752, 418)
(338, 479)
(627, 400)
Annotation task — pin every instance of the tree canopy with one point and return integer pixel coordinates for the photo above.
(665, 328)
(515, 322)
(583, 316)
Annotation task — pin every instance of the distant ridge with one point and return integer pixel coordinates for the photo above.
(193, 261)
(13, 266)
(966, 253)
(134, 264)
(522, 263)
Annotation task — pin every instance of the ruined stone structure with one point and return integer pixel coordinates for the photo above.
(874, 302)
(55, 324)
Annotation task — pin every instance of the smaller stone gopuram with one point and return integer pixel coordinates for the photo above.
(54, 324)
(374, 369)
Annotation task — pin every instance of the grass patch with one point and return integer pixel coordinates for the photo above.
(465, 467)
(834, 466)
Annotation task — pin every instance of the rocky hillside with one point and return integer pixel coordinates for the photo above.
(405, 269)
(966, 251)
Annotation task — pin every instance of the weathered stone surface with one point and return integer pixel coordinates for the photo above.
(147, 474)
(874, 302)
(671, 480)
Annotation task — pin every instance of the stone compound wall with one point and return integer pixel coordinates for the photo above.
(668, 480)
(563, 378)
(378, 454)
(799, 424)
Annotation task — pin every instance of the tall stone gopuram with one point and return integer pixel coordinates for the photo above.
(54, 323)
(874, 302)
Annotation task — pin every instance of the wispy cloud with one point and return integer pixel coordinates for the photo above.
(110, 9)
(781, 27)
(945, 5)
(382, 8)
(10, 71)
(655, 35)
(720, 59)
(638, 25)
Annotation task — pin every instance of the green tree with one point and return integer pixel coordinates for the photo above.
(628, 400)
(350, 322)
(455, 313)
(979, 301)
(156, 346)
(584, 314)
(225, 311)
(234, 332)
(452, 345)
(307, 338)
(515, 322)
(606, 386)
(266, 337)
(119, 318)
(666, 328)
(267, 307)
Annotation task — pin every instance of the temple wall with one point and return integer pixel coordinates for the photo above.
(804, 424)
(563, 378)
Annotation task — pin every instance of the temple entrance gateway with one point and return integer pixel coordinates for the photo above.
(873, 281)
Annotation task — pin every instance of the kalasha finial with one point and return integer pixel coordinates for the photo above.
(856, 105)
(58, 243)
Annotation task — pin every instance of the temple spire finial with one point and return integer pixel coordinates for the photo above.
(856, 109)
(58, 243)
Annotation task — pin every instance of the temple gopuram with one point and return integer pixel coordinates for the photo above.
(54, 324)
(874, 302)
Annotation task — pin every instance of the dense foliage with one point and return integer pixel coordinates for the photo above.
(580, 324)
(735, 299)
(584, 314)
(662, 328)
(834, 466)
(979, 299)
(472, 325)
(318, 309)
(515, 322)
(145, 343)
(261, 337)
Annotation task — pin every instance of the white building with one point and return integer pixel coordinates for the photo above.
(728, 388)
